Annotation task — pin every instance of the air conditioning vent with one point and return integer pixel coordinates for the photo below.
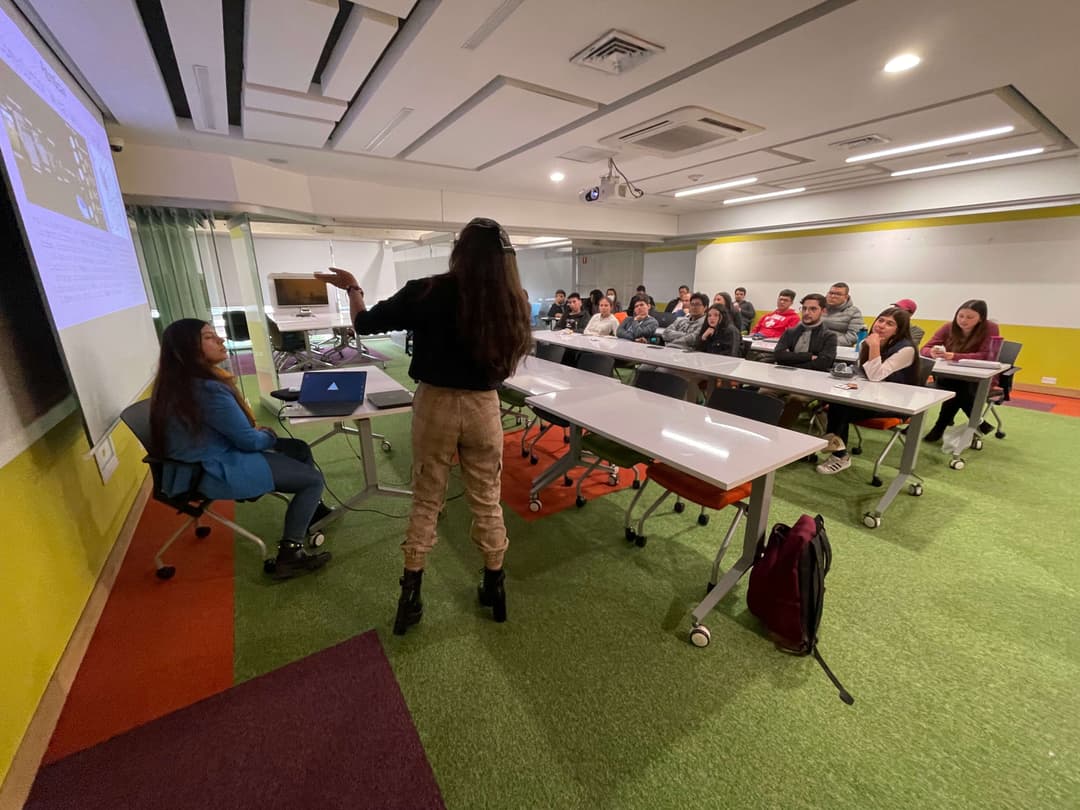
(615, 52)
(682, 131)
(851, 144)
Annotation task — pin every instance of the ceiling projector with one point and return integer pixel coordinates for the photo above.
(609, 188)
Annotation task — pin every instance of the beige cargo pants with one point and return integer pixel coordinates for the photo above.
(448, 421)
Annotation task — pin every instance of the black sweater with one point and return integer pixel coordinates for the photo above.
(822, 346)
(726, 340)
(429, 307)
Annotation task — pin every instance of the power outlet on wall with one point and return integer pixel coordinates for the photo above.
(1049, 380)
(105, 457)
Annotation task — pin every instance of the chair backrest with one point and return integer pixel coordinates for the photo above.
(669, 385)
(926, 368)
(549, 351)
(601, 364)
(137, 418)
(1009, 351)
(749, 404)
(621, 315)
(236, 327)
(285, 341)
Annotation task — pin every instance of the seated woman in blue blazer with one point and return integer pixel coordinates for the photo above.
(198, 416)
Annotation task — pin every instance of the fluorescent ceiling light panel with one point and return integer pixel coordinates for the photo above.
(689, 192)
(384, 133)
(957, 163)
(771, 194)
(918, 147)
(905, 61)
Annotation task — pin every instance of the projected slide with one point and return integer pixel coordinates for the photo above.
(61, 173)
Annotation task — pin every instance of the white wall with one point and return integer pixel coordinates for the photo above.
(1026, 270)
(665, 270)
(544, 271)
(370, 262)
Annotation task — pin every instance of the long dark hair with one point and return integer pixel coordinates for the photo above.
(726, 318)
(903, 331)
(594, 301)
(730, 302)
(180, 363)
(956, 342)
(493, 315)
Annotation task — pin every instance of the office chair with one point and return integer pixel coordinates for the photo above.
(191, 503)
(741, 402)
(291, 349)
(550, 352)
(236, 326)
(1002, 392)
(605, 449)
(898, 427)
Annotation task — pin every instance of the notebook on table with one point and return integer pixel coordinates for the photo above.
(390, 399)
(330, 393)
(978, 363)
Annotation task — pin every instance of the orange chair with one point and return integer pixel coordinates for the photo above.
(620, 316)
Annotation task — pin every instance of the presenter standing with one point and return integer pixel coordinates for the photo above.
(470, 329)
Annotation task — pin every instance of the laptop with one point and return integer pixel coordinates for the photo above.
(390, 399)
(330, 393)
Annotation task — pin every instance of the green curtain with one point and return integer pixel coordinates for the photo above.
(171, 261)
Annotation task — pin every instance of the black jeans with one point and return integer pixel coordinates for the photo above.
(963, 401)
(841, 416)
(294, 471)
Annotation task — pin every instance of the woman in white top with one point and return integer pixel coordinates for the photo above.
(887, 355)
(603, 323)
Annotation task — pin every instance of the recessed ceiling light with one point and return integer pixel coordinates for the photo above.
(754, 197)
(557, 177)
(742, 181)
(917, 147)
(905, 61)
(956, 163)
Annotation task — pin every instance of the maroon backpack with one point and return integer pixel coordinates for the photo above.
(787, 588)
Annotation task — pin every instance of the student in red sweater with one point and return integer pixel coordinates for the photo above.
(780, 319)
(968, 337)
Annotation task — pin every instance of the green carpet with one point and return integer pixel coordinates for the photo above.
(954, 625)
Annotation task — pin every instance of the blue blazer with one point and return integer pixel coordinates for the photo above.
(228, 447)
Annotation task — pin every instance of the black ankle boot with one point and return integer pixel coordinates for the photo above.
(292, 560)
(409, 607)
(492, 593)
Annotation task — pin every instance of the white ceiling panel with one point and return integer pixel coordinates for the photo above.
(260, 125)
(397, 8)
(283, 40)
(308, 105)
(197, 34)
(362, 41)
(715, 172)
(509, 117)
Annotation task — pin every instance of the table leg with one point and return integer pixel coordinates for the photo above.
(907, 469)
(757, 520)
(982, 391)
(561, 466)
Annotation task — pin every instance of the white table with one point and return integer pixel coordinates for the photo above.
(287, 320)
(720, 448)
(907, 400)
(377, 380)
(849, 354)
(982, 376)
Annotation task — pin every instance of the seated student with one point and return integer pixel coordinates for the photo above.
(967, 337)
(613, 297)
(592, 304)
(684, 292)
(725, 299)
(686, 332)
(640, 293)
(746, 309)
(576, 317)
(603, 323)
(780, 319)
(811, 344)
(639, 326)
(886, 354)
(917, 332)
(197, 415)
(559, 308)
(682, 305)
(842, 316)
(719, 335)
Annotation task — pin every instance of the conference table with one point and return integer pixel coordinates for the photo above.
(719, 448)
(377, 381)
(288, 320)
(982, 375)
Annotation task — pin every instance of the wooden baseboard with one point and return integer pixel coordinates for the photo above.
(1053, 390)
(27, 760)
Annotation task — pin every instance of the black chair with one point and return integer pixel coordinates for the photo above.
(191, 503)
(601, 364)
(292, 346)
(236, 325)
(1002, 392)
(550, 352)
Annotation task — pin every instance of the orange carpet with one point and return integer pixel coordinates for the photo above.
(517, 475)
(1068, 406)
(160, 645)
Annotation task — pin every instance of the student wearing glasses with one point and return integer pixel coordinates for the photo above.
(460, 356)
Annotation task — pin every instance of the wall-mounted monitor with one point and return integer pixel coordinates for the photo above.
(287, 292)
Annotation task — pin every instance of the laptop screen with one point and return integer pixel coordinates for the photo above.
(333, 386)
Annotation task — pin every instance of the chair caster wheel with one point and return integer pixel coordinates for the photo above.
(202, 531)
(855, 451)
(579, 501)
(679, 507)
(317, 539)
(630, 534)
(269, 566)
(386, 446)
(956, 464)
(1000, 434)
(700, 636)
(534, 460)
(976, 444)
(702, 520)
(613, 480)
(535, 505)
(567, 481)
(524, 453)
(636, 484)
(165, 572)
(640, 540)
(915, 489)
(871, 521)
(875, 481)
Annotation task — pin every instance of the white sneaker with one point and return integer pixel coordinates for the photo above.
(834, 442)
(834, 464)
